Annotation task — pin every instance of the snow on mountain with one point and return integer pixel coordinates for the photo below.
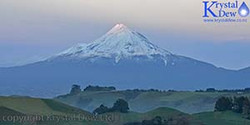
(120, 42)
(73, 50)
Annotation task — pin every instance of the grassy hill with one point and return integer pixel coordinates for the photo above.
(37, 106)
(4, 111)
(221, 118)
(188, 102)
(165, 113)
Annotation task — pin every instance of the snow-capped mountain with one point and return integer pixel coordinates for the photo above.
(122, 58)
(120, 42)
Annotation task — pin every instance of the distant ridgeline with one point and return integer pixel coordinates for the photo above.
(76, 89)
(246, 90)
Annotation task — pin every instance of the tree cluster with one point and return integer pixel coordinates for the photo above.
(147, 90)
(99, 88)
(119, 106)
(236, 104)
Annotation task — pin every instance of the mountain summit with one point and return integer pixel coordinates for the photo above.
(120, 42)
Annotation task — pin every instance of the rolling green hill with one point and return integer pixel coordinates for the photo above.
(23, 106)
(26, 107)
(221, 118)
(188, 102)
(165, 113)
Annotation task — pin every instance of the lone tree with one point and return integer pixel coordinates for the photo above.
(76, 89)
(121, 106)
(223, 104)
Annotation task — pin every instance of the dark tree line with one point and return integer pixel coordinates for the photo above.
(99, 88)
(119, 106)
(76, 89)
(246, 90)
(158, 120)
(235, 104)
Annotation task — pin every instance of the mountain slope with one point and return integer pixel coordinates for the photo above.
(123, 58)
